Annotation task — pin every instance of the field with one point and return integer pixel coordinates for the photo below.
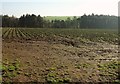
(60, 55)
(50, 18)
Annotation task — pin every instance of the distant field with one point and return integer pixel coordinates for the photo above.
(85, 35)
(58, 17)
(60, 55)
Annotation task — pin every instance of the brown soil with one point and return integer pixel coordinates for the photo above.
(38, 57)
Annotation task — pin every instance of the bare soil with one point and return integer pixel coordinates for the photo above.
(38, 59)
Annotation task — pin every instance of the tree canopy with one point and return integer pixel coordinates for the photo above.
(85, 21)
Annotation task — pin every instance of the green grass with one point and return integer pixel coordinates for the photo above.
(50, 18)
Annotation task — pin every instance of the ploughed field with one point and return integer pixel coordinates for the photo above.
(59, 55)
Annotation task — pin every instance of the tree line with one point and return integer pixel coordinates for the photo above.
(99, 21)
(85, 21)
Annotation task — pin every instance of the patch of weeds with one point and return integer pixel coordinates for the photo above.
(51, 80)
(66, 80)
(109, 66)
(52, 77)
(82, 65)
(109, 69)
(51, 69)
(51, 74)
(57, 80)
(9, 69)
(101, 67)
(112, 65)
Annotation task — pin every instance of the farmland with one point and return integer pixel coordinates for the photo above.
(50, 18)
(60, 55)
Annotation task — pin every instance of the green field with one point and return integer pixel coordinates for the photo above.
(50, 18)
(60, 55)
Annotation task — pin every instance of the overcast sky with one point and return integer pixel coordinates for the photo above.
(59, 7)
